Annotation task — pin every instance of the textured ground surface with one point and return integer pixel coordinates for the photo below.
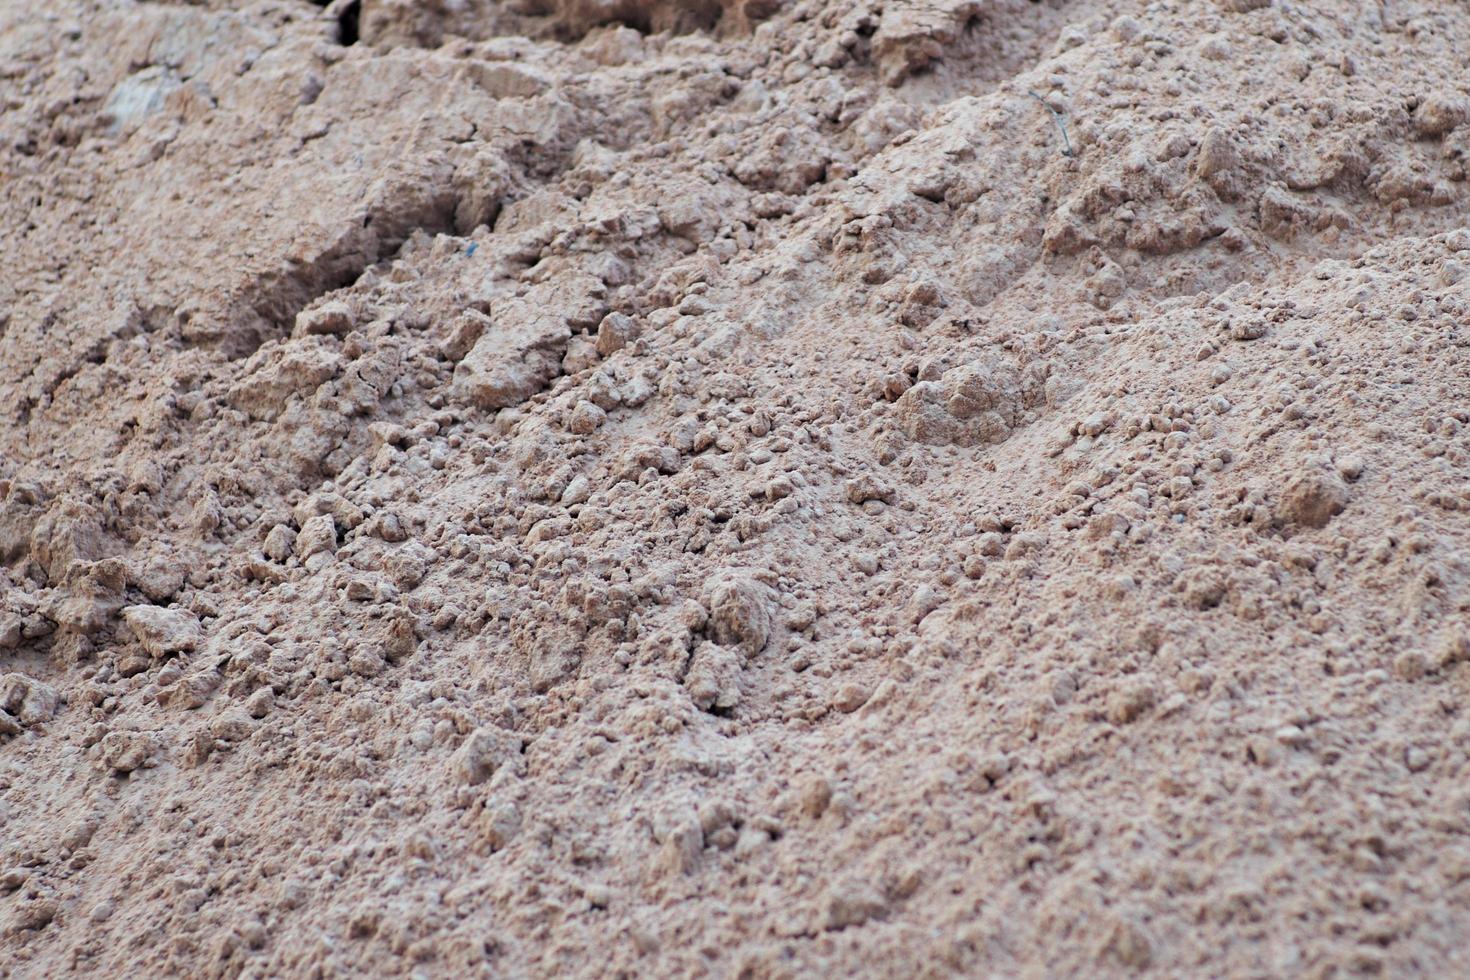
(743, 488)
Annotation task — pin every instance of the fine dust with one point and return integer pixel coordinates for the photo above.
(741, 488)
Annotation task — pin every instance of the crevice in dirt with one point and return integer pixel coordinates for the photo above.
(269, 305)
(567, 21)
(937, 55)
(349, 19)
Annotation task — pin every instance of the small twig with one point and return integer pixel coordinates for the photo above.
(1056, 118)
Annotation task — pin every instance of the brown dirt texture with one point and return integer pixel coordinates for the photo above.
(734, 488)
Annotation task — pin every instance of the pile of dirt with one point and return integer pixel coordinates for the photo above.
(752, 488)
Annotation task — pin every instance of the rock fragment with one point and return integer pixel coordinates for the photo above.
(521, 350)
(851, 696)
(484, 752)
(91, 595)
(867, 486)
(279, 543)
(232, 725)
(1216, 160)
(682, 838)
(333, 317)
(1313, 498)
(125, 751)
(26, 700)
(1131, 701)
(1244, 6)
(162, 632)
(813, 794)
(851, 903)
(70, 531)
(585, 418)
(1441, 112)
(12, 628)
(616, 331)
(192, 690)
(500, 823)
(318, 536)
(160, 578)
(465, 332)
(975, 404)
(488, 379)
(740, 615)
(713, 679)
(34, 914)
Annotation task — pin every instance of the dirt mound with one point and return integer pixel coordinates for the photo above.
(621, 487)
